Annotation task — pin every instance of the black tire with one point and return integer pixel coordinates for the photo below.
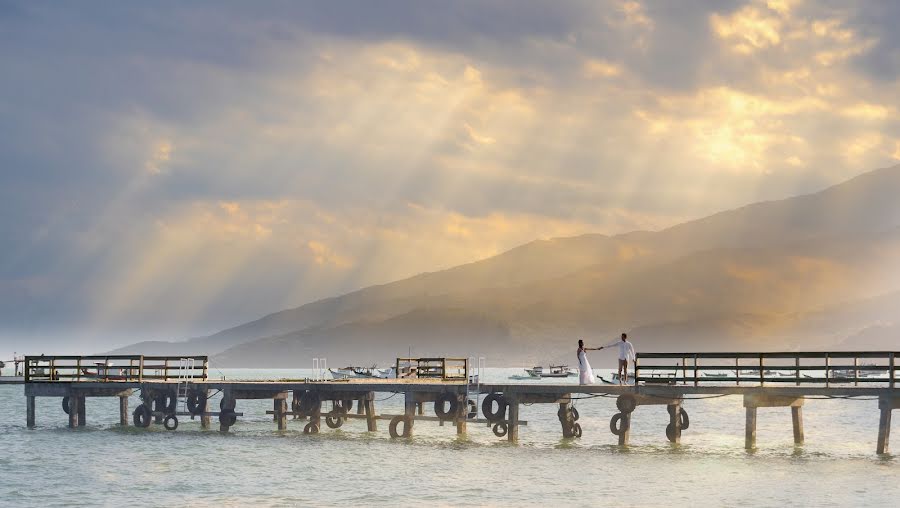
(576, 430)
(441, 402)
(227, 417)
(65, 405)
(473, 409)
(170, 422)
(142, 416)
(500, 429)
(295, 407)
(311, 428)
(685, 419)
(196, 403)
(487, 407)
(670, 432)
(334, 421)
(626, 403)
(617, 424)
(407, 426)
(165, 402)
(574, 414)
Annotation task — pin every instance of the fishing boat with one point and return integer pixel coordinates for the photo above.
(551, 371)
(372, 372)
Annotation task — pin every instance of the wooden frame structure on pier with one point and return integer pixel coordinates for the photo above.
(114, 368)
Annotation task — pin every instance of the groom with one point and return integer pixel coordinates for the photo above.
(626, 352)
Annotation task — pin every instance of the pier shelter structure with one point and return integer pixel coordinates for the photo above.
(180, 387)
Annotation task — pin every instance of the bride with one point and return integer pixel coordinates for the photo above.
(585, 374)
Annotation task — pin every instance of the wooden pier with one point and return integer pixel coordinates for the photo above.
(173, 387)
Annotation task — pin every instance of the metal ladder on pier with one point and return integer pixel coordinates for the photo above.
(185, 379)
(473, 381)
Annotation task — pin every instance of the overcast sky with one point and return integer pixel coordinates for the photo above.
(170, 169)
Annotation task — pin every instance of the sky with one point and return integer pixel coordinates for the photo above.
(170, 169)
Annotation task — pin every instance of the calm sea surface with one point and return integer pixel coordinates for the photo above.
(104, 465)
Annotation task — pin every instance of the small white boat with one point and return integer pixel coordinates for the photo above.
(551, 371)
(362, 373)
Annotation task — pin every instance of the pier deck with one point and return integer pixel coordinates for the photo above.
(168, 392)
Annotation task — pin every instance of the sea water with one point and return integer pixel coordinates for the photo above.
(255, 464)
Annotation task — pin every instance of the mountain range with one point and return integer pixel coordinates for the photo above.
(808, 272)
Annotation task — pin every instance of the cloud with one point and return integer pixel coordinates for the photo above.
(192, 161)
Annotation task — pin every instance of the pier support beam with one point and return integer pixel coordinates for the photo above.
(205, 418)
(462, 414)
(74, 410)
(625, 435)
(410, 411)
(797, 419)
(281, 408)
(371, 420)
(750, 428)
(228, 402)
(754, 401)
(123, 410)
(512, 432)
(82, 411)
(674, 435)
(886, 405)
(30, 402)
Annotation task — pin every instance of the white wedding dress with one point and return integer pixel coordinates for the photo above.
(585, 374)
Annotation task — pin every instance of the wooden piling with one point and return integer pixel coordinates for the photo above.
(205, 418)
(74, 402)
(123, 410)
(410, 411)
(30, 402)
(675, 420)
(512, 429)
(82, 411)
(625, 435)
(228, 402)
(462, 415)
(281, 407)
(797, 420)
(750, 430)
(371, 420)
(886, 405)
(360, 406)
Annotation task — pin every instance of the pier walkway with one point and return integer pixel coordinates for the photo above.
(171, 387)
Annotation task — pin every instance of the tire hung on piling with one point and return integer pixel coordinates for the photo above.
(170, 422)
(442, 400)
(618, 424)
(309, 401)
(500, 429)
(685, 419)
(343, 406)
(227, 417)
(487, 407)
(626, 403)
(65, 404)
(196, 402)
(142, 416)
(334, 420)
(396, 421)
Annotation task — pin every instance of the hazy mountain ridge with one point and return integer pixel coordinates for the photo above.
(754, 275)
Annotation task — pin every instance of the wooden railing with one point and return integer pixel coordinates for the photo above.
(833, 367)
(448, 369)
(114, 368)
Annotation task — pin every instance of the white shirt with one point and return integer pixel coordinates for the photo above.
(626, 350)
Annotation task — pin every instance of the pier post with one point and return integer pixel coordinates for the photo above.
(30, 402)
(371, 421)
(886, 405)
(410, 412)
(74, 411)
(750, 431)
(675, 422)
(360, 406)
(512, 433)
(123, 410)
(420, 408)
(82, 416)
(625, 435)
(281, 408)
(797, 419)
(205, 418)
(228, 402)
(462, 414)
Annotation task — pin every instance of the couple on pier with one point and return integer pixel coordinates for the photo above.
(626, 352)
